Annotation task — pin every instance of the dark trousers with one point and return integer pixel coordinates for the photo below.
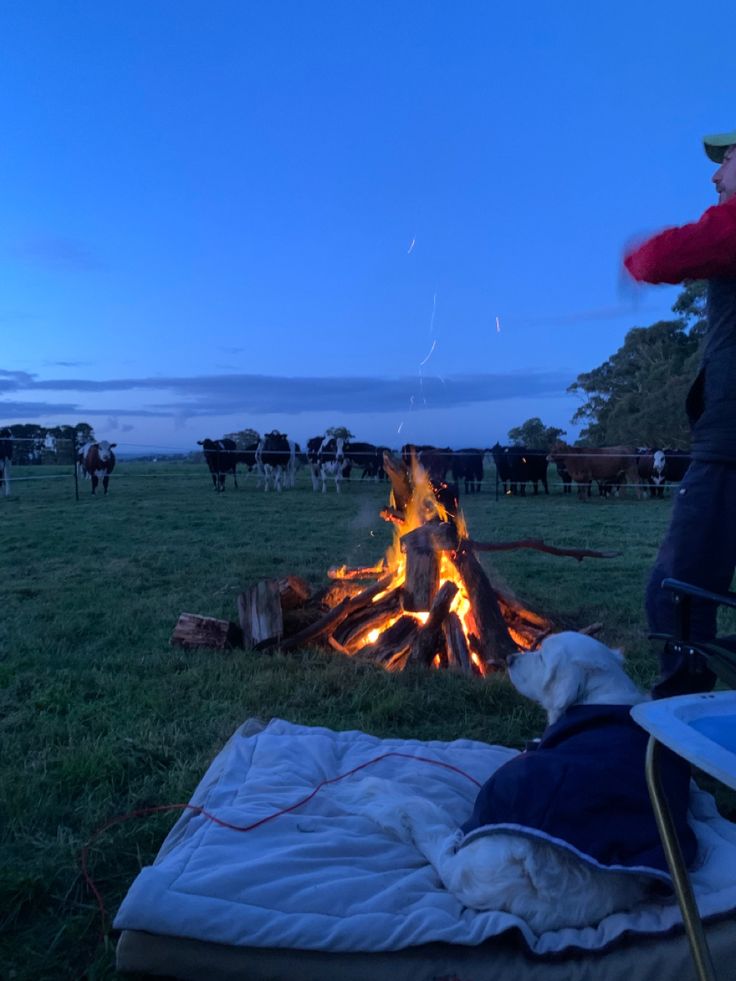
(699, 548)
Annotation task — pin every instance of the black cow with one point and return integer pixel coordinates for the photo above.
(467, 466)
(518, 465)
(276, 456)
(221, 456)
(366, 456)
(435, 461)
(564, 475)
(6, 458)
(676, 463)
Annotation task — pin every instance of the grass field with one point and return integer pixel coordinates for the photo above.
(100, 716)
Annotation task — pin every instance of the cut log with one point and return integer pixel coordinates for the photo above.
(329, 621)
(398, 475)
(458, 655)
(494, 641)
(429, 638)
(294, 592)
(352, 633)
(260, 613)
(422, 579)
(193, 630)
(434, 536)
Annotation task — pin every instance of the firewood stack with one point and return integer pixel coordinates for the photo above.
(428, 603)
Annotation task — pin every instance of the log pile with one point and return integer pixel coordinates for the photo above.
(428, 603)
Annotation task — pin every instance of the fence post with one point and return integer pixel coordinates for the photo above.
(74, 464)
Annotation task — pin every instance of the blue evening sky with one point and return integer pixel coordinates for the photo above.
(302, 214)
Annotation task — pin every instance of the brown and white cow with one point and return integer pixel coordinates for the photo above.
(6, 458)
(99, 462)
(605, 464)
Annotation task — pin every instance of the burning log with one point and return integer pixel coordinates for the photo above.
(398, 475)
(458, 654)
(338, 591)
(429, 638)
(327, 623)
(192, 630)
(260, 613)
(342, 572)
(493, 639)
(422, 579)
(354, 632)
(434, 536)
(393, 646)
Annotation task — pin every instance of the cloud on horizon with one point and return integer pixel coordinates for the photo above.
(211, 395)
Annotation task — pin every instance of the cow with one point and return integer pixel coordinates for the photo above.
(650, 467)
(366, 456)
(676, 464)
(517, 465)
(6, 458)
(221, 457)
(467, 466)
(608, 465)
(276, 457)
(435, 461)
(564, 477)
(326, 458)
(99, 461)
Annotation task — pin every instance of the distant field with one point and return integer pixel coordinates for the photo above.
(99, 716)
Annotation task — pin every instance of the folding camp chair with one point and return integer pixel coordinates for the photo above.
(702, 729)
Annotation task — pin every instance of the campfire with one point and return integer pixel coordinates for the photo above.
(429, 602)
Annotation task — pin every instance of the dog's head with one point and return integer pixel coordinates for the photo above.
(572, 669)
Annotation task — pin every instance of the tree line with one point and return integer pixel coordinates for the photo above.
(637, 396)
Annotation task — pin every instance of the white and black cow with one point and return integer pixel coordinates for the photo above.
(99, 462)
(326, 458)
(221, 456)
(276, 456)
(6, 459)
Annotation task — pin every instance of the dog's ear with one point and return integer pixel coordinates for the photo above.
(563, 685)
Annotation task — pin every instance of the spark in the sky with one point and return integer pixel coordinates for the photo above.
(431, 351)
(413, 243)
(498, 325)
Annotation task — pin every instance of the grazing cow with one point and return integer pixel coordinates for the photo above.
(467, 466)
(221, 457)
(99, 461)
(517, 465)
(605, 464)
(6, 458)
(276, 456)
(326, 457)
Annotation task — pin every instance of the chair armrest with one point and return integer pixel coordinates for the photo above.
(721, 599)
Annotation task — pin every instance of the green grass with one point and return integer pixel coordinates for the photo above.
(100, 716)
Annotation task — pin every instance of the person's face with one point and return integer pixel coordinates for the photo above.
(725, 177)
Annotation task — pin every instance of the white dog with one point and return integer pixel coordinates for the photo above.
(546, 885)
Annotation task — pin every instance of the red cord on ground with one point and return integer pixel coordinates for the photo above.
(147, 811)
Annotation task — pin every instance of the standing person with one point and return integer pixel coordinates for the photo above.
(700, 544)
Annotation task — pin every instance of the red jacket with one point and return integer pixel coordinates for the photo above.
(705, 249)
